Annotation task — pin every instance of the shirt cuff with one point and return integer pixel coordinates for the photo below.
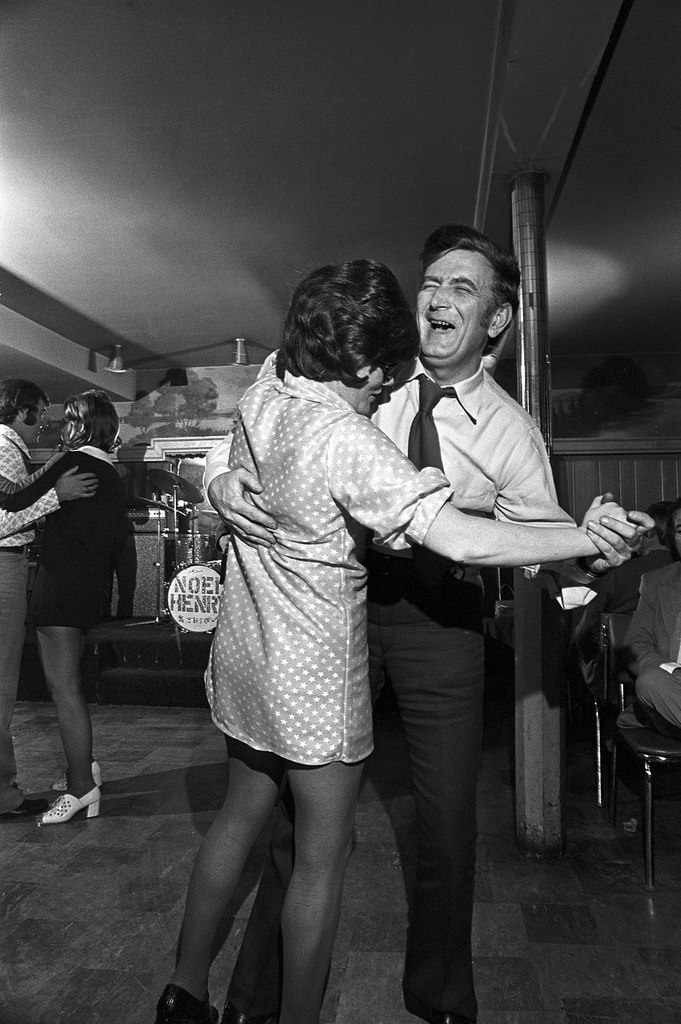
(217, 461)
(429, 507)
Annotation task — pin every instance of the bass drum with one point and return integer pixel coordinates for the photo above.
(193, 598)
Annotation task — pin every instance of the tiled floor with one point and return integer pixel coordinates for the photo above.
(91, 909)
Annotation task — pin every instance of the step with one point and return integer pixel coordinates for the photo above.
(152, 687)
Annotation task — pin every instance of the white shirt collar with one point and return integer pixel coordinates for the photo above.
(97, 453)
(468, 391)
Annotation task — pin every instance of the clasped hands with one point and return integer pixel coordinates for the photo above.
(615, 532)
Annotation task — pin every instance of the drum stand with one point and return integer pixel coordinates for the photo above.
(164, 482)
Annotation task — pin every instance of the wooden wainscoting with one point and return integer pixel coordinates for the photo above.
(636, 473)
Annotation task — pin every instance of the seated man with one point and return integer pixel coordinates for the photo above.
(618, 591)
(654, 639)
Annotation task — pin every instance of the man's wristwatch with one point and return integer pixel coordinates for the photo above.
(582, 563)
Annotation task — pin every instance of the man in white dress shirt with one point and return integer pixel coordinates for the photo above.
(425, 625)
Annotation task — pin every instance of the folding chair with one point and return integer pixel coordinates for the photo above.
(648, 746)
(613, 668)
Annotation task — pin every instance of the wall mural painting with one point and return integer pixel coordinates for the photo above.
(204, 407)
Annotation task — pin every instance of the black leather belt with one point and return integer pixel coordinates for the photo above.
(19, 549)
(387, 564)
(403, 568)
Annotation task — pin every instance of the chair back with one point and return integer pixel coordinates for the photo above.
(615, 657)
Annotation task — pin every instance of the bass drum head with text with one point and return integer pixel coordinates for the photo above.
(193, 598)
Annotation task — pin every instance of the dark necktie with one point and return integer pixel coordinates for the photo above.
(424, 450)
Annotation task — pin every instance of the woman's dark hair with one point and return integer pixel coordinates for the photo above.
(343, 318)
(676, 507)
(90, 418)
(502, 262)
(16, 395)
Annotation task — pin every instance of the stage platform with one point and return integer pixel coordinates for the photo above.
(137, 661)
(132, 661)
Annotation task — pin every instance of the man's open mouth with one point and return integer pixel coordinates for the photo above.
(441, 325)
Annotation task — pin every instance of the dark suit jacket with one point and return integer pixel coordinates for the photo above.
(654, 635)
(616, 591)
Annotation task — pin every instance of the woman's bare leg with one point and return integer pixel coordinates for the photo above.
(325, 801)
(254, 781)
(61, 651)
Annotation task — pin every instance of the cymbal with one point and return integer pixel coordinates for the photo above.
(168, 482)
(154, 504)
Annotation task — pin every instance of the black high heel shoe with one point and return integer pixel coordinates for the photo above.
(177, 1006)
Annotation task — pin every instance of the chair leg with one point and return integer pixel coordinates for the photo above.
(599, 757)
(612, 802)
(648, 834)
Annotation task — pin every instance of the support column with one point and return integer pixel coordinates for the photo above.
(539, 725)
(529, 244)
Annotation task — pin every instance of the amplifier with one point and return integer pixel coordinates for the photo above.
(138, 588)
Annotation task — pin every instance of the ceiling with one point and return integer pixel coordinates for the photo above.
(171, 167)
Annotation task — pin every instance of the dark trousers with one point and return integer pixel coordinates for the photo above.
(429, 644)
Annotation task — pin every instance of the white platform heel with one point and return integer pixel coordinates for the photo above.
(67, 805)
(61, 785)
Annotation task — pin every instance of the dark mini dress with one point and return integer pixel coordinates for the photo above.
(81, 546)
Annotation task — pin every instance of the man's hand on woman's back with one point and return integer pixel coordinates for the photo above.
(230, 495)
(72, 485)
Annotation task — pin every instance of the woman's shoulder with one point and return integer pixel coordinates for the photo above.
(85, 462)
(67, 461)
(83, 457)
(361, 428)
(359, 437)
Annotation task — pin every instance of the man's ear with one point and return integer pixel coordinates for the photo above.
(500, 320)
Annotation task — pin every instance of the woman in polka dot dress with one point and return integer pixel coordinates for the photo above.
(287, 679)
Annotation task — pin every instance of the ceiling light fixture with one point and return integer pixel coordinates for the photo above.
(116, 364)
(241, 355)
(110, 358)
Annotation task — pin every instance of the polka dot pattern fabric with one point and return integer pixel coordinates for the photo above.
(288, 665)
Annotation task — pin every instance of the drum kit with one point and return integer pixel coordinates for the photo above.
(192, 579)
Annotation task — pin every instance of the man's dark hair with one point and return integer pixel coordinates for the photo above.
(16, 395)
(343, 318)
(90, 418)
(676, 507)
(458, 236)
(660, 512)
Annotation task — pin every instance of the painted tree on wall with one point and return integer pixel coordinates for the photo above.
(200, 399)
(175, 411)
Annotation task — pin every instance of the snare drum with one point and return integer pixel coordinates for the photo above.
(193, 598)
